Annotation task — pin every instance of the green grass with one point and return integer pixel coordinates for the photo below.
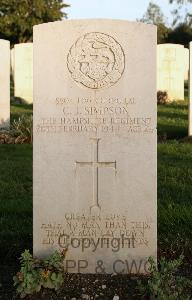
(15, 211)
(173, 120)
(15, 200)
(19, 109)
(175, 197)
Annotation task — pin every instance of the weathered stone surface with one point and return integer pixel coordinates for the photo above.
(23, 71)
(4, 83)
(95, 144)
(170, 70)
(186, 63)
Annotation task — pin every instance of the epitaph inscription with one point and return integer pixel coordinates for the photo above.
(96, 60)
(96, 228)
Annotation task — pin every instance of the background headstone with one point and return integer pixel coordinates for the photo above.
(95, 178)
(170, 70)
(4, 83)
(23, 71)
(190, 89)
(186, 63)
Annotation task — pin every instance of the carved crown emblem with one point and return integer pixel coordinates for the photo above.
(96, 60)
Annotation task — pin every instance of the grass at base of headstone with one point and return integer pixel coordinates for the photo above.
(173, 120)
(17, 110)
(174, 206)
(93, 286)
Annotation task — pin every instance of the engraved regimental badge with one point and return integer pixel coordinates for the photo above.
(96, 60)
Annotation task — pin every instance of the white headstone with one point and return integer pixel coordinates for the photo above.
(190, 89)
(95, 180)
(4, 83)
(186, 63)
(170, 70)
(23, 70)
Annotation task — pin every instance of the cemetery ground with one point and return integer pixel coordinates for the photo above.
(20, 109)
(174, 205)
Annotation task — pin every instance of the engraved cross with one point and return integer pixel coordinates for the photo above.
(96, 164)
